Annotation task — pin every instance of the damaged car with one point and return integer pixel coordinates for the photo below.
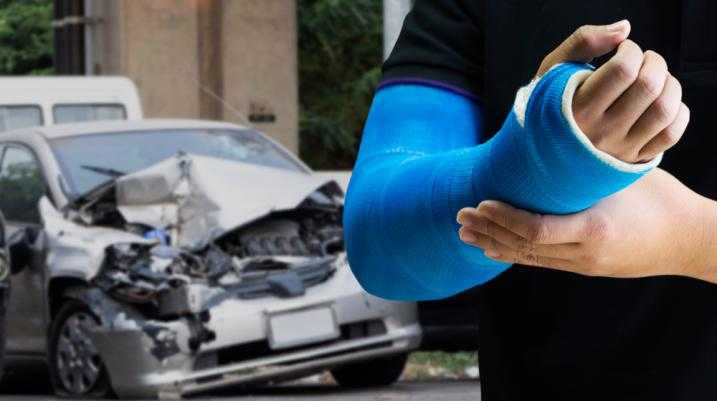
(165, 258)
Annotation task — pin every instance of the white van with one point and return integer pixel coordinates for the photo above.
(36, 101)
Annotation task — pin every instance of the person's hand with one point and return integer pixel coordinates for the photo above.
(655, 227)
(631, 107)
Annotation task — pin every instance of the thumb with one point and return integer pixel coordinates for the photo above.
(586, 43)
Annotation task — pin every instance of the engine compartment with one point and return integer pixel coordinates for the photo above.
(176, 242)
(277, 243)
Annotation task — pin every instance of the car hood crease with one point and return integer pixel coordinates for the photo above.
(201, 198)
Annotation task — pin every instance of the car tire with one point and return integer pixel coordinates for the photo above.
(372, 373)
(72, 357)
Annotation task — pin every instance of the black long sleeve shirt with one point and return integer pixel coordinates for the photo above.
(549, 335)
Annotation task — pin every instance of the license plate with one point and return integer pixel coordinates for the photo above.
(302, 327)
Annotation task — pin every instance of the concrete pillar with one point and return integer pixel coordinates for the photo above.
(394, 12)
(233, 60)
(261, 66)
(210, 42)
(160, 53)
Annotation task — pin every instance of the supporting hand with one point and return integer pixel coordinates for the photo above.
(655, 227)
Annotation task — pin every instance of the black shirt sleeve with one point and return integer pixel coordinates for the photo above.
(441, 43)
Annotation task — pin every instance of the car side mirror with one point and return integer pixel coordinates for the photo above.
(22, 244)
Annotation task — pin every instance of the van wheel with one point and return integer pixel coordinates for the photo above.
(373, 373)
(76, 368)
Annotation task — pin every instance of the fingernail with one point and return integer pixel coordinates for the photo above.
(467, 236)
(618, 26)
(492, 254)
(460, 216)
(484, 207)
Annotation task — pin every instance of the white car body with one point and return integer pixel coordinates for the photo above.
(197, 336)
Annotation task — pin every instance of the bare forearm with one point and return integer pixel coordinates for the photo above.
(705, 248)
(656, 227)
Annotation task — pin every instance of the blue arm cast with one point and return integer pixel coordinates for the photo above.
(420, 162)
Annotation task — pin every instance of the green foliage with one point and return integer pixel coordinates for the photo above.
(25, 37)
(440, 365)
(339, 66)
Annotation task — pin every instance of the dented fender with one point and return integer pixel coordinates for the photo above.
(75, 250)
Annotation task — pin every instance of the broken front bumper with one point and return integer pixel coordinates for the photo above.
(147, 358)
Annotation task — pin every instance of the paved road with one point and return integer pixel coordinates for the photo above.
(29, 389)
(406, 391)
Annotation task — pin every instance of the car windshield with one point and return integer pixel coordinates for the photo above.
(89, 160)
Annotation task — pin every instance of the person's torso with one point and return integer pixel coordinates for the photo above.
(553, 335)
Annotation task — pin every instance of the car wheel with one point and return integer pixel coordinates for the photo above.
(373, 373)
(76, 368)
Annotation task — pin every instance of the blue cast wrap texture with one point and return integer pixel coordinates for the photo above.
(420, 162)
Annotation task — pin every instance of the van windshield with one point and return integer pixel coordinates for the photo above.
(89, 160)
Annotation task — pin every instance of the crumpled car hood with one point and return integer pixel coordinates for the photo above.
(202, 198)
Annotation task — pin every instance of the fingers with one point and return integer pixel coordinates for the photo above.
(586, 43)
(661, 113)
(477, 230)
(647, 87)
(607, 84)
(503, 253)
(559, 264)
(667, 137)
(570, 243)
(630, 102)
(539, 229)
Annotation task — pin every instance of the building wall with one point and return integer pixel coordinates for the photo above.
(261, 60)
(233, 60)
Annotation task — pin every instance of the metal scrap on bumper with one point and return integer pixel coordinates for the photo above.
(149, 358)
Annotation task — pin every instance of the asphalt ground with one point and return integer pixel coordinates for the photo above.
(33, 386)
